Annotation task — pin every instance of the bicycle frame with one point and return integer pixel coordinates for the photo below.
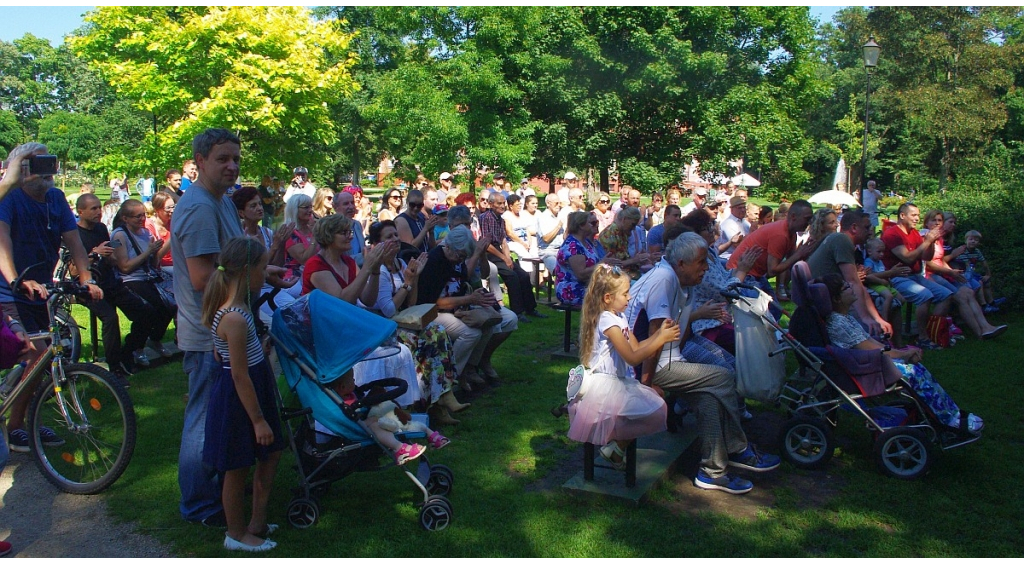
(52, 356)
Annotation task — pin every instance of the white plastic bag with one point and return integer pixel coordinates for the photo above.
(758, 376)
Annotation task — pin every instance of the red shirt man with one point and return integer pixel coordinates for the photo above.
(777, 240)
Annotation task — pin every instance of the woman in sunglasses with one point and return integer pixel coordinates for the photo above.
(390, 205)
(577, 257)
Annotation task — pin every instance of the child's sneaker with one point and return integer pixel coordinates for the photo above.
(409, 452)
(955, 331)
(438, 441)
(989, 308)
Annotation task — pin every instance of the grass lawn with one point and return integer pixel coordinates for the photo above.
(508, 452)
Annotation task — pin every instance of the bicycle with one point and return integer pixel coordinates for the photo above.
(87, 407)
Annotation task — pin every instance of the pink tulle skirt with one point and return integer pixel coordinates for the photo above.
(610, 408)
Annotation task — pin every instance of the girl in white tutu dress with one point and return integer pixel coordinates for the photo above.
(611, 407)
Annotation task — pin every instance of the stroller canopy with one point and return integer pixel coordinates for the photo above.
(329, 335)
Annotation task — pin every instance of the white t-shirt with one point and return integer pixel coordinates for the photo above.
(308, 189)
(730, 227)
(658, 293)
(603, 357)
(546, 221)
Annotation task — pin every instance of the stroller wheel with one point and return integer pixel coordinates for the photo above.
(807, 442)
(903, 453)
(436, 514)
(441, 480)
(303, 512)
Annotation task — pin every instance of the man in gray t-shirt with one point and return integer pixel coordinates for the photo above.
(837, 254)
(204, 220)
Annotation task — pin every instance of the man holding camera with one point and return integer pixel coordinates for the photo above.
(300, 184)
(34, 220)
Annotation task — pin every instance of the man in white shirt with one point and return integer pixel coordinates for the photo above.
(734, 228)
(700, 196)
(664, 295)
(870, 203)
(300, 184)
(569, 182)
(550, 233)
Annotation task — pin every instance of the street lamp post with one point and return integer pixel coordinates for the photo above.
(871, 50)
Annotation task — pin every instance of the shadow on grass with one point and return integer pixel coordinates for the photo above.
(509, 457)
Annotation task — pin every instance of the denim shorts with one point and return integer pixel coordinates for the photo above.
(919, 290)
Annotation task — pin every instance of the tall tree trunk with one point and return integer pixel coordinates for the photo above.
(604, 179)
(355, 159)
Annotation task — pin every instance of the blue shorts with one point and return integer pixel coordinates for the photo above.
(919, 290)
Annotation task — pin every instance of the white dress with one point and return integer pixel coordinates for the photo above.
(612, 405)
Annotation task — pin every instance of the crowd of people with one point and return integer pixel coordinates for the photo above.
(202, 251)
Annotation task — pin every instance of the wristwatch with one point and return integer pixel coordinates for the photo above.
(407, 287)
(91, 281)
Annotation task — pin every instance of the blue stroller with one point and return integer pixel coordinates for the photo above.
(318, 339)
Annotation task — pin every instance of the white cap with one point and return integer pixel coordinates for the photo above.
(570, 175)
(445, 176)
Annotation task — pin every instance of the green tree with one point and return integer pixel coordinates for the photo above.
(73, 137)
(11, 132)
(259, 71)
(947, 75)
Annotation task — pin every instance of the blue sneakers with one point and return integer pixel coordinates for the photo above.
(727, 483)
(755, 461)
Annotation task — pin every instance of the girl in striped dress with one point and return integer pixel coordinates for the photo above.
(242, 425)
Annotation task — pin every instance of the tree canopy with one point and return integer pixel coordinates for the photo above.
(260, 71)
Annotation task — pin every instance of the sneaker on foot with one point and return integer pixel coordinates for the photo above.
(989, 308)
(49, 438)
(18, 441)
(998, 302)
(755, 461)
(727, 483)
(746, 415)
(927, 345)
(159, 348)
(140, 358)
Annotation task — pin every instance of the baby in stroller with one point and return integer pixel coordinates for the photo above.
(384, 420)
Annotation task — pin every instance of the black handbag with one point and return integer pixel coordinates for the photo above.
(155, 277)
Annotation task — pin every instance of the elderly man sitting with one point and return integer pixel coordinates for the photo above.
(666, 292)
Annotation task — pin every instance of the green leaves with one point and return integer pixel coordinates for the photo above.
(260, 71)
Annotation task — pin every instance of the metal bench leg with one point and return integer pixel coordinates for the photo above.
(568, 329)
(631, 464)
(588, 462)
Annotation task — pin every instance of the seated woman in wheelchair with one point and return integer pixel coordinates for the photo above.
(845, 331)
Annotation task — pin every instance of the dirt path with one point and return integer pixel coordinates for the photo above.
(43, 523)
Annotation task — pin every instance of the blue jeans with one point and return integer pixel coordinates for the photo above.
(200, 487)
(920, 290)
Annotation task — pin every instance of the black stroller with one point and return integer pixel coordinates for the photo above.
(831, 379)
(330, 443)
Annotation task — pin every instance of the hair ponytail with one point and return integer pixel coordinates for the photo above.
(235, 263)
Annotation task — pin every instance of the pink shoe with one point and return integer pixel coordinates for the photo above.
(438, 441)
(409, 452)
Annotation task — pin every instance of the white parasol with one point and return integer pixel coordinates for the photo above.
(834, 198)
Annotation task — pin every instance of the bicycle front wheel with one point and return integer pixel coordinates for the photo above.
(92, 444)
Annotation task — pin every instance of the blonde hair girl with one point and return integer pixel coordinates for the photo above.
(612, 407)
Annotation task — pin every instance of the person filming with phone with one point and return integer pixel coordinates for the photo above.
(35, 219)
